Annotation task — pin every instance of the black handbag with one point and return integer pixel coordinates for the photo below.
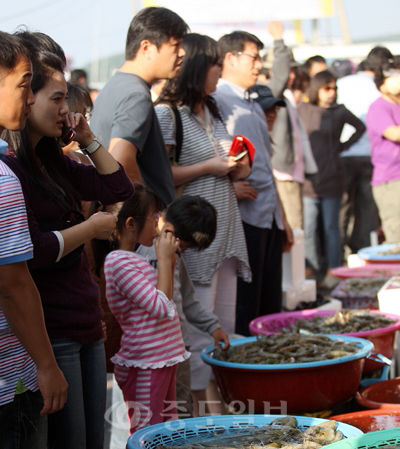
(58, 225)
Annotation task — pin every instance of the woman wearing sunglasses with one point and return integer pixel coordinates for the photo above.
(54, 186)
(324, 120)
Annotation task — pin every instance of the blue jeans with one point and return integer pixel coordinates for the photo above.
(21, 425)
(323, 243)
(80, 424)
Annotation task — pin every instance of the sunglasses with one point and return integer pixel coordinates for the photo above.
(328, 88)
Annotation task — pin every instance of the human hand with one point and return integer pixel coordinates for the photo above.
(242, 170)
(103, 224)
(275, 29)
(54, 387)
(287, 237)
(84, 135)
(166, 246)
(244, 191)
(220, 166)
(220, 335)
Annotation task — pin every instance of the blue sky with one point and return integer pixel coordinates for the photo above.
(90, 29)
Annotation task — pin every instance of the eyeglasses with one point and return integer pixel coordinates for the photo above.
(255, 57)
(88, 116)
(328, 88)
(156, 217)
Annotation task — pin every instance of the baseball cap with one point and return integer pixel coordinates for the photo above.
(265, 97)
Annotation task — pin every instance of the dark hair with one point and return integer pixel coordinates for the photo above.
(319, 80)
(157, 25)
(138, 206)
(341, 67)
(187, 89)
(45, 164)
(40, 42)
(194, 220)
(76, 74)
(313, 59)
(378, 60)
(78, 98)
(236, 41)
(11, 49)
(363, 66)
(301, 81)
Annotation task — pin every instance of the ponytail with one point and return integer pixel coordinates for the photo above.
(137, 207)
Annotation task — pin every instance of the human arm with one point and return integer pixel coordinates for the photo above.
(102, 159)
(195, 313)
(382, 120)
(19, 297)
(48, 246)
(166, 246)
(98, 226)
(281, 64)
(217, 166)
(130, 127)
(125, 153)
(359, 126)
(135, 279)
(392, 133)
(20, 302)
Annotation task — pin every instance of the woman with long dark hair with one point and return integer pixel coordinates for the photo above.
(204, 169)
(54, 186)
(324, 120)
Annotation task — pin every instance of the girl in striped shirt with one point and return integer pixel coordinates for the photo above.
(141, 301)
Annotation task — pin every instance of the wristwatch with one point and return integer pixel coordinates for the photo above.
(94, 146)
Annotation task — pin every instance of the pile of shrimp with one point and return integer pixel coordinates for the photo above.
(286, 348)
(344, 322)
(281, 432)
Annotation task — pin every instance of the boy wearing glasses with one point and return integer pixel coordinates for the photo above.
(266, 229)
(123, 112)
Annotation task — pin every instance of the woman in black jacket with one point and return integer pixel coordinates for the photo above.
(324, 120)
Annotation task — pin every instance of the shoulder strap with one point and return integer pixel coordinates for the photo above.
(178, 133)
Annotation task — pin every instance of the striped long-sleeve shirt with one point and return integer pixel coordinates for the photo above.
(151, 333)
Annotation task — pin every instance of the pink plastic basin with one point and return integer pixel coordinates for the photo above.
(383, 339)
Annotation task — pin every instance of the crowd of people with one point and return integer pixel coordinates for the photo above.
(131, 238)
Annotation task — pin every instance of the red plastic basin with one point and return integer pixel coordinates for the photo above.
(371, 420)
(381, 395)
(382, 339)
(290, 388)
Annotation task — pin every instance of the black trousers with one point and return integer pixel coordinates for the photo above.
(263, 295)
(359, 203)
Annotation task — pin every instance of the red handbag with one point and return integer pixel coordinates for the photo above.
(241, 144)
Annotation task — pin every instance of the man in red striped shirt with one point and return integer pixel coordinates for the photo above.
(31, 384)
